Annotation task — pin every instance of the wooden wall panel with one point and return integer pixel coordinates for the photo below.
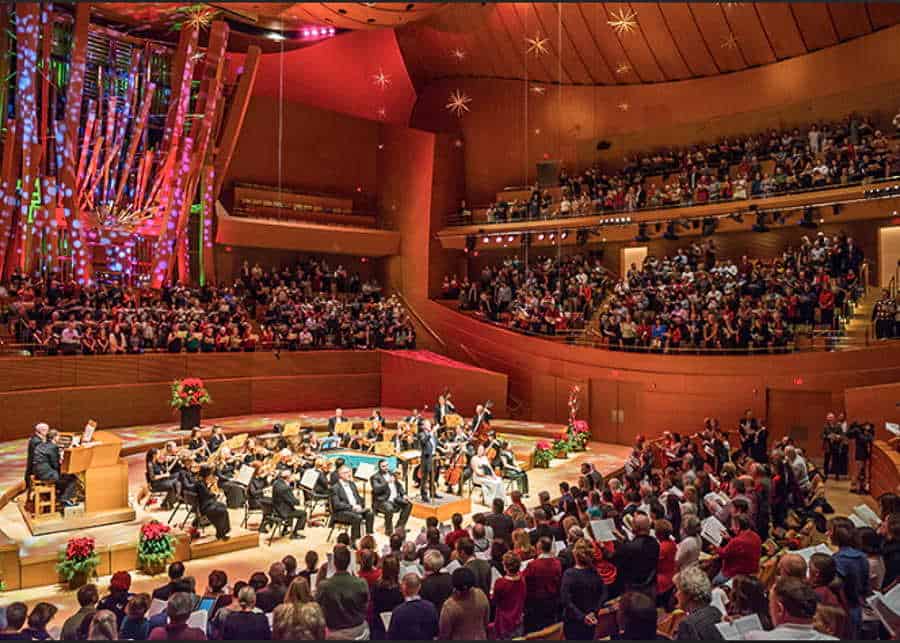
(23, 409)
(114, 406)
(230, 397)
(105, 369)
(315, 392)
(161, 368)
(20, 374)
(800, 414)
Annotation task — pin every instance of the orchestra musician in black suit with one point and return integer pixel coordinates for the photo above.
(348, 505)
(216, 440)
(334, 476)
(415, 419)
(442, 409)
(286, 505)
(388, 498)
(158, 477)
(482, 415)
(39, 437)
(210, 506)
(46, 465)
(427, 443)
(335, 419)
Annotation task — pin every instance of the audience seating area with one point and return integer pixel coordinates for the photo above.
(308, 305)
(814, 157)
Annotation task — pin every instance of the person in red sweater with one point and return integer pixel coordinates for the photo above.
(665, 568)
(740, 555)
(457, 532)
(542, 580)
(509, 600)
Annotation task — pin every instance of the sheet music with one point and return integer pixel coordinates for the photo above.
(857, 521)
(411, 568)
(893, 428)
(604, 530)
(308, 481)
(156, 607)
(738, 628)
(198, 619)
(713, 530)
(483, 555)
(870, 517)
(386, 619)
(451, 567)
(807, 552)
(887, 607)
(244, 475)
(558, 546)
(365, 471)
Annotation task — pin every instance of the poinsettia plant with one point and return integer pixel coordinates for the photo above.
(578, 433)
(189, 392)
(156, 546)
(561, 446)
(543, 454)
(80, 558)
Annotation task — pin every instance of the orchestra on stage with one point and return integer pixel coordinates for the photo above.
(289, 474)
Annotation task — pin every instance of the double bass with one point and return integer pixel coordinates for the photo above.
(482, 432)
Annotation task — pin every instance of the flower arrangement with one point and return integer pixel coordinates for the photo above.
(79, 561)
(543, 454)
(189, 392)
(156, 546)
(578, 433)
(561, 446)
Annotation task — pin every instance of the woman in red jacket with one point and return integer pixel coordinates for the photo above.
(665, 567)
(509, 600)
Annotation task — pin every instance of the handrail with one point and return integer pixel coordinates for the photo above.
(421, 321)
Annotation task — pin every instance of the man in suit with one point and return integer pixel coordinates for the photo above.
(594, 477)
(442, 409)
(210, 506)
(45, 465)
(347, 504)
(694, 592)
(428, 446)
(415, 619)
(176, 573)
(337, 418)
(481, 416)
(39, 437)
(388, 498)
(465, 551)
(286, 505)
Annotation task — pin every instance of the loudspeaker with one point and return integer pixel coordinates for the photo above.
(548, 173)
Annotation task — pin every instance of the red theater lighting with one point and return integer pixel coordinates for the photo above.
(499, 239)
(541, 237)
(510, 238)
(485, 239)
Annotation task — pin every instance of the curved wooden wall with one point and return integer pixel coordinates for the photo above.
(654, 393)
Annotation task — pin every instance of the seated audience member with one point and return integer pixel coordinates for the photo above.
(38, 620)
(792, 606)
(248, 622)
(178, 610)
(136, 626)
(103, 626)
(118, 596)
(466, 614)
(273, 593)
(176, 573)
(693, 592)
(16, 614)
(87, 600)
(415, 619)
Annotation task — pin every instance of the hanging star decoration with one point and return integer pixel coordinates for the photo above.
(623, 21)
(623, 68)
(195, 16)
(623, 107)
(730, 42)
(537, 45)
(537, 89)
(459, 103)
(458, 54)
(381, 79)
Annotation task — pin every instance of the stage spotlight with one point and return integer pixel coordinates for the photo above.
(565, 233)
(541, 236)
(510, 238)
(807, 220)
(642, 235)
(760, 225)
(671, 234)
(486, 240)
(709, 226)
(499, 239)
(552, 236)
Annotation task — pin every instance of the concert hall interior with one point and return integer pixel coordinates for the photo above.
(469, 320)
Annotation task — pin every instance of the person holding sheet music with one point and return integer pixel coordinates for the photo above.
(741, 554)
(286, 505)
(637, 559)
(388, 497)
(348, 504)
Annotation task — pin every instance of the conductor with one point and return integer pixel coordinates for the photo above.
(428, 447)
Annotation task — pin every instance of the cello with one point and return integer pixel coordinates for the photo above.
(456, 467)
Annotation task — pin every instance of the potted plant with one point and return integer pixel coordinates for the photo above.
(78, 562)
(543, 454)
(561, 446)
(189, 395)
(156, 547)
(578, 434)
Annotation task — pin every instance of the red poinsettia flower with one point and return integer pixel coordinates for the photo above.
(543, 445)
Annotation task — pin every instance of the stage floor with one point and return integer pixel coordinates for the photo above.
(606, 457)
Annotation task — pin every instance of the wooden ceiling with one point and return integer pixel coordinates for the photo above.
(666, 42)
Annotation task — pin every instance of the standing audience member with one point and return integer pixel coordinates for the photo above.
(792, 607)
(415, 619)
(543, 578)
(693, 592)
(247, 622)
(179, 609)
(344, 599)
(509, 600)
(582, 593)
(466, 614)
(87, 600)
(103, 626)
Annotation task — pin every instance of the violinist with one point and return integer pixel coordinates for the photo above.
(197, 445)
(171, 457)
(415, 420)
(256, 488)
(388, 497)
(511, 469)
(210, 506)
(216, 440)
(322, 486)
(377, 417)
(159, 480)
(333, 476)
(361, 442)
